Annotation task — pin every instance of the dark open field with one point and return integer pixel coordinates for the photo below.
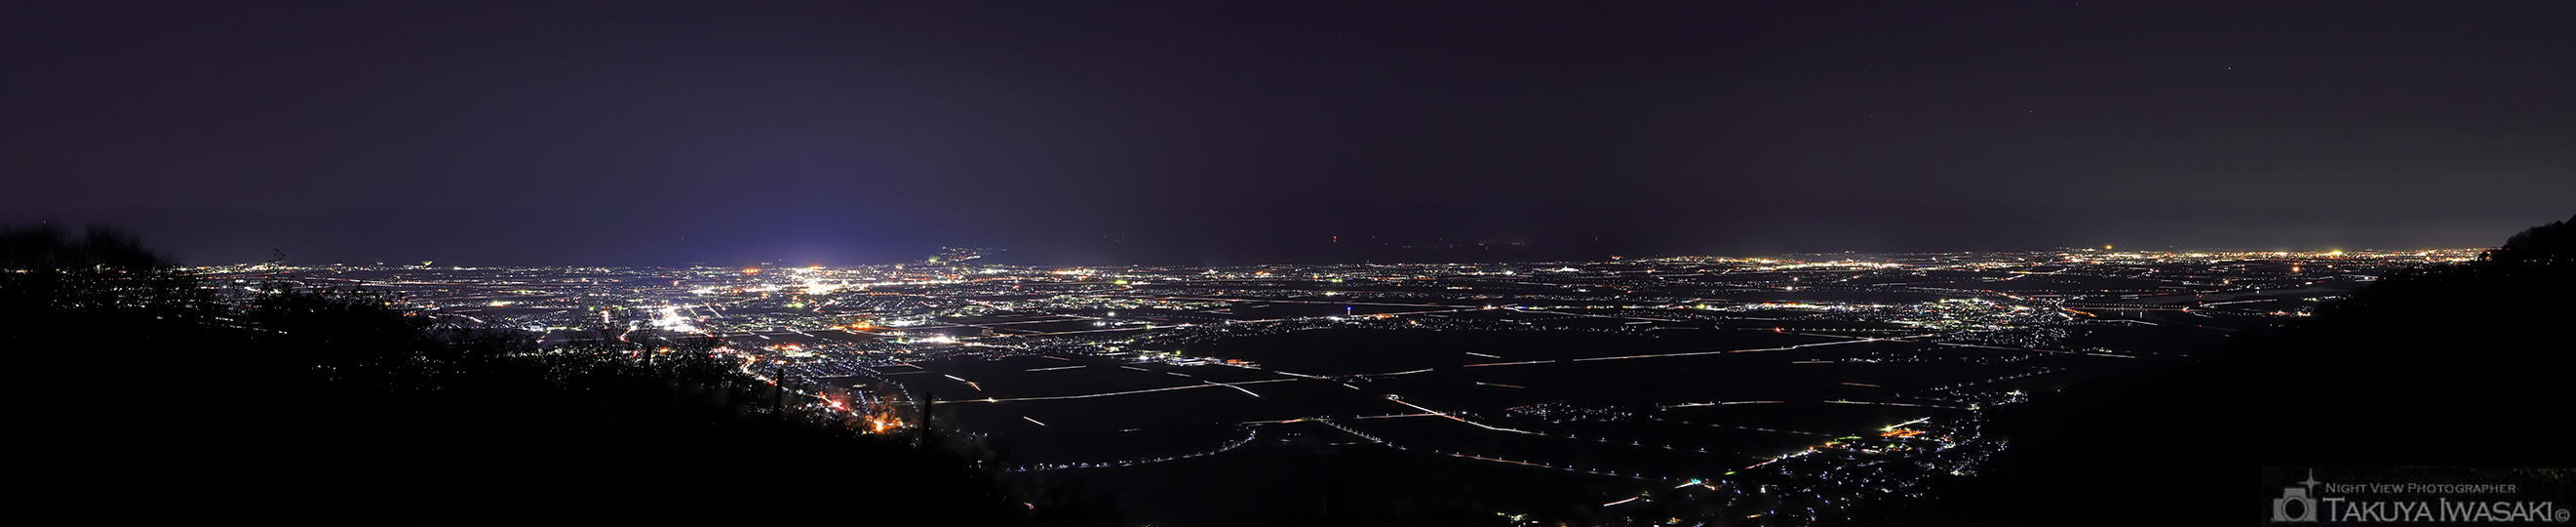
(1628, 411)
(1175, 411)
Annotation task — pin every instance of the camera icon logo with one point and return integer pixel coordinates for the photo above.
(2295, 505)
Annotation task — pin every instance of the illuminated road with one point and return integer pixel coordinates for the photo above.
(1130, 392)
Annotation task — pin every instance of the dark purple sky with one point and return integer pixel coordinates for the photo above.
(731, 132)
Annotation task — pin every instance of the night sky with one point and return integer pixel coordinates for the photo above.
(1235, 132)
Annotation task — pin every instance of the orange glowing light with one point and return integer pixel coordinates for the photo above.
(750, 270)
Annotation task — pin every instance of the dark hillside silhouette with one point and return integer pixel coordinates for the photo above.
(2454, 364)
(153, 399)
(2439, 362)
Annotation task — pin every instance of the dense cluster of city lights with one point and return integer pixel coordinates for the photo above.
(867, 343)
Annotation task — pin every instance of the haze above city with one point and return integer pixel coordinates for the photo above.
(825, 133)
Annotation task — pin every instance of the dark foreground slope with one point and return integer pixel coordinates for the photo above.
(2452, 364)
(145, 398)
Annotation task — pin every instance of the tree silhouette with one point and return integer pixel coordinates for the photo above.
(53, 283)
